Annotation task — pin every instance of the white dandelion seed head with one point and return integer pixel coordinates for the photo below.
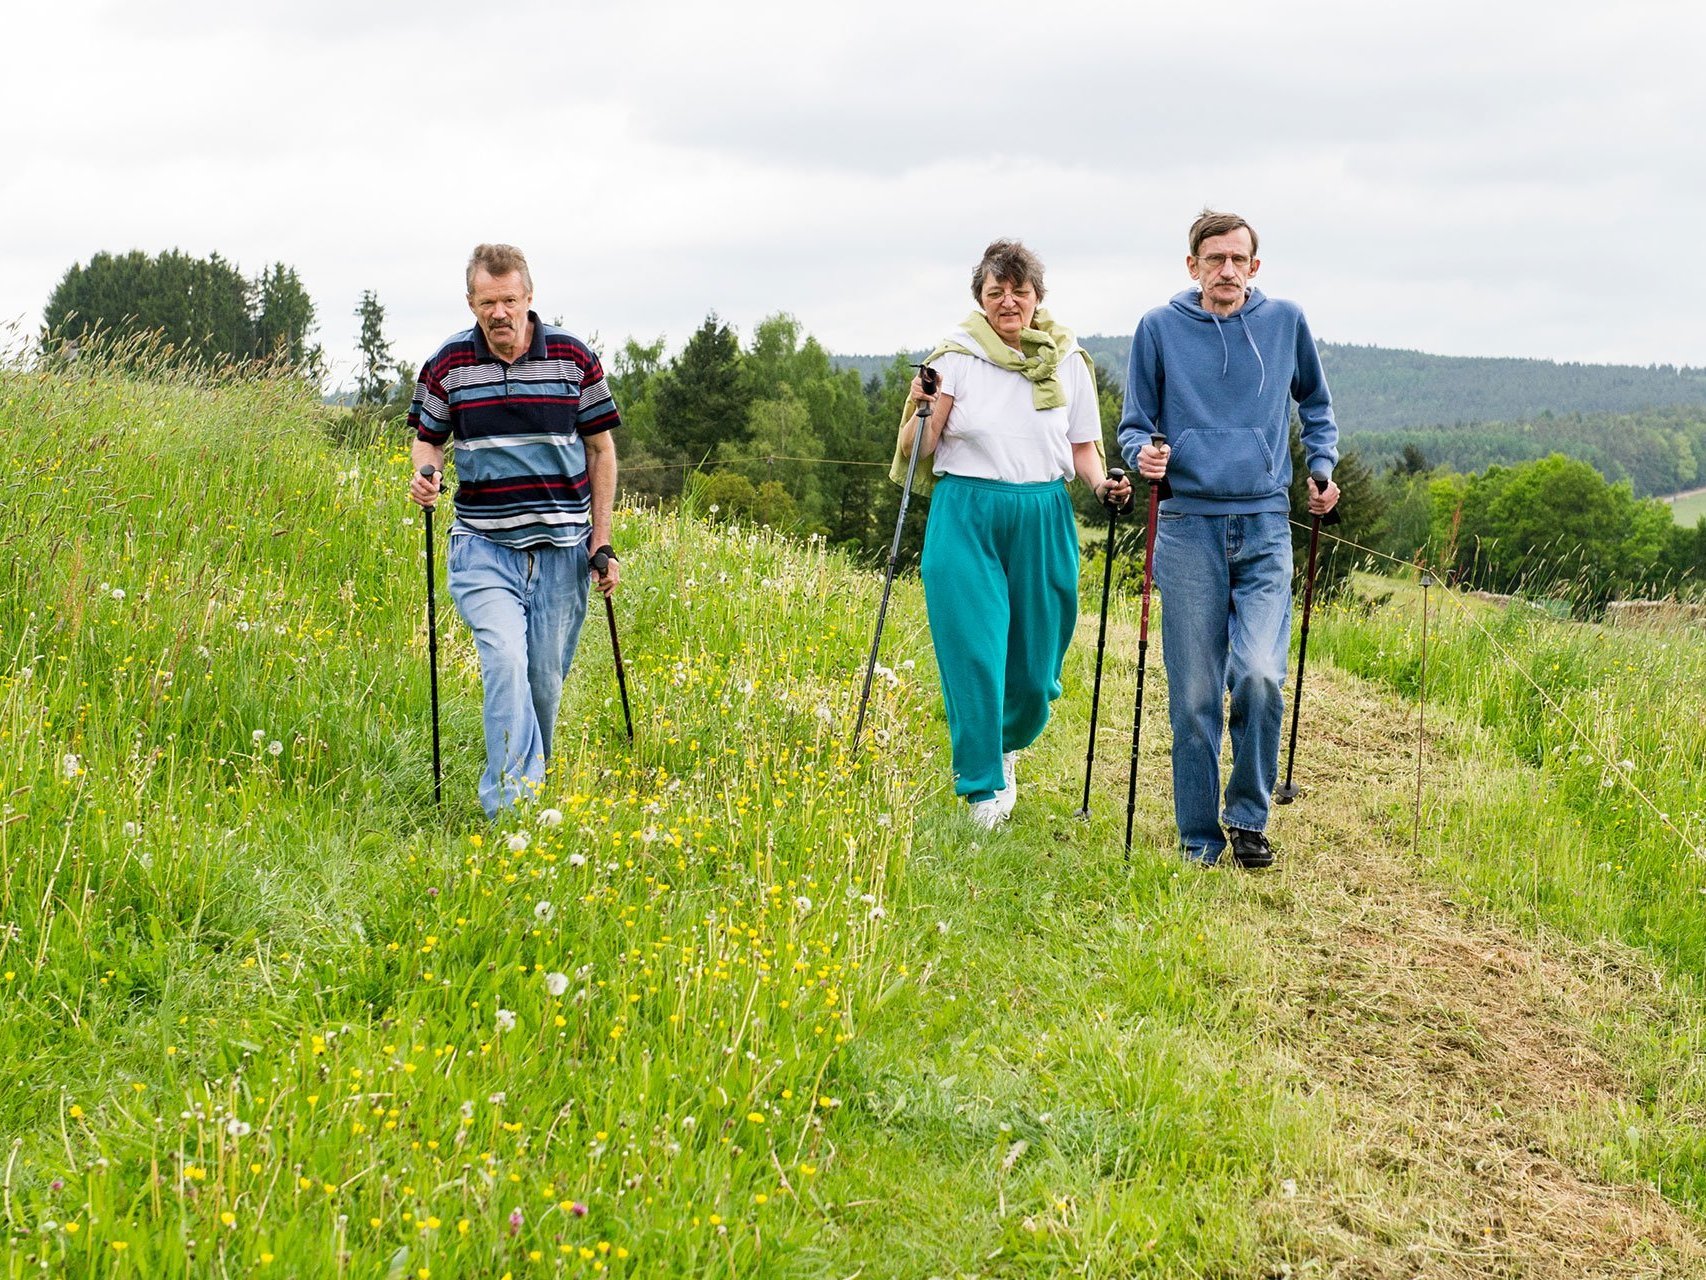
(506, 1020)
(556, 983)
(238, 1128)
(577, 859)
(803, 903)
(941, 926)
(543, 911)
(259, 736)
(550, 817)
(275, 748)
(132, 830)
(72, 764)
(118, 593)
(877, 913)
(517, 841)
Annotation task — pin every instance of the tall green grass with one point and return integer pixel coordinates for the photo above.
(724, 1002)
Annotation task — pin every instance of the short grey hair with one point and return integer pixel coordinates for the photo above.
(498, 260)
(1010, 261)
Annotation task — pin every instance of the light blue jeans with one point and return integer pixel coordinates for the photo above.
(525, 607)
(1225, 585)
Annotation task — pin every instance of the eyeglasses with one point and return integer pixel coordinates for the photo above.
(1215, 261)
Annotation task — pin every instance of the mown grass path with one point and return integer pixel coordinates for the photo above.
(1341, 1068)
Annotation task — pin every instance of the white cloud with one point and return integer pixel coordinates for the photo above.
(1471, 178)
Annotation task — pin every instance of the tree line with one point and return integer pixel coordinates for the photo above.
(200, 309)
(774, 431)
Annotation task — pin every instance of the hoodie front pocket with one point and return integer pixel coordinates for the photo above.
(1223, 463)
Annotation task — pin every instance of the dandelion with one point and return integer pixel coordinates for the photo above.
(802, 903)
(238, 1128)
(556, 983)
(132, 830)
(72, 764)
(258, 736)
(543, 911)
(118, 593)
(551, 817)
(941, 926)
(506, 1020)
(517, 841)
(577, 859)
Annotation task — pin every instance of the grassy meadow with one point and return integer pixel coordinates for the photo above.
(1687, 508)
(729, 1002)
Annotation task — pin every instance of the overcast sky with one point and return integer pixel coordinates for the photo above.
(1467, 178)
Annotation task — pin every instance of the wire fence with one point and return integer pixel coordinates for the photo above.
(1428, 576)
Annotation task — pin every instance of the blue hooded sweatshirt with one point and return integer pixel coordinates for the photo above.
(1220, 390)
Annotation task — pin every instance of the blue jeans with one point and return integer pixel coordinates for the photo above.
(525, 607)
(1225, 585)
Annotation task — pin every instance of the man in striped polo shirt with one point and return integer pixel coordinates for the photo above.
(530, 414)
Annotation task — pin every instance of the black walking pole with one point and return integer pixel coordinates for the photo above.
(929, 378)
(1114, 474)
(1158, 489)
(601, 562)
(1288, 791)
(432, 646)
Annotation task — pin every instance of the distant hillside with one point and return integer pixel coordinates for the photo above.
(1382, 389)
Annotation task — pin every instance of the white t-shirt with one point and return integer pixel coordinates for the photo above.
(995, 431)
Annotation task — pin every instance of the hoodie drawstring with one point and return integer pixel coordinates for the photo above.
(1226, 354)
(1260, 363)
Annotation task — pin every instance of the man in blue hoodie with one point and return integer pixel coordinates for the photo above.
(1215, 372)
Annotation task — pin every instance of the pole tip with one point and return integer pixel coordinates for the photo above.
(1287, 792)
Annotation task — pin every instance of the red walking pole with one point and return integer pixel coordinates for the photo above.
(1156, 493)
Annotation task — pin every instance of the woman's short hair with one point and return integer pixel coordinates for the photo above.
(1010, 261)
(1212, 223)
(498, 260)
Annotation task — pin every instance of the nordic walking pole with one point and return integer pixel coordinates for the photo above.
(601, 562)
(1288, 791)
(1158, 489)
(1114, 474)
(930, 380)
(428, 472)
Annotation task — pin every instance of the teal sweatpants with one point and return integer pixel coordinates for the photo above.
(1000, 573)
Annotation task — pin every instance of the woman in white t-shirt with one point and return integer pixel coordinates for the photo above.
(1013, 420)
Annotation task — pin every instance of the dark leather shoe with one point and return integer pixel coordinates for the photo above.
(1250, 849)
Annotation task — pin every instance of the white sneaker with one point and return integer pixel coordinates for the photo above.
(989, 814)
(1008, 796)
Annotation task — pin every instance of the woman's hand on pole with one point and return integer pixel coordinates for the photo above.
(1114, 491)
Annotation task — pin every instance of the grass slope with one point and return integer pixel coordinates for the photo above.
(728, 1002)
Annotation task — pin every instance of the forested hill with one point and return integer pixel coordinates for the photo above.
(1382, 389)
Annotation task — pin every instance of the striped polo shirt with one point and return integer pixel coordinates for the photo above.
(518, 430)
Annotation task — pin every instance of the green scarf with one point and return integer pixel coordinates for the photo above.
(1041, 347)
